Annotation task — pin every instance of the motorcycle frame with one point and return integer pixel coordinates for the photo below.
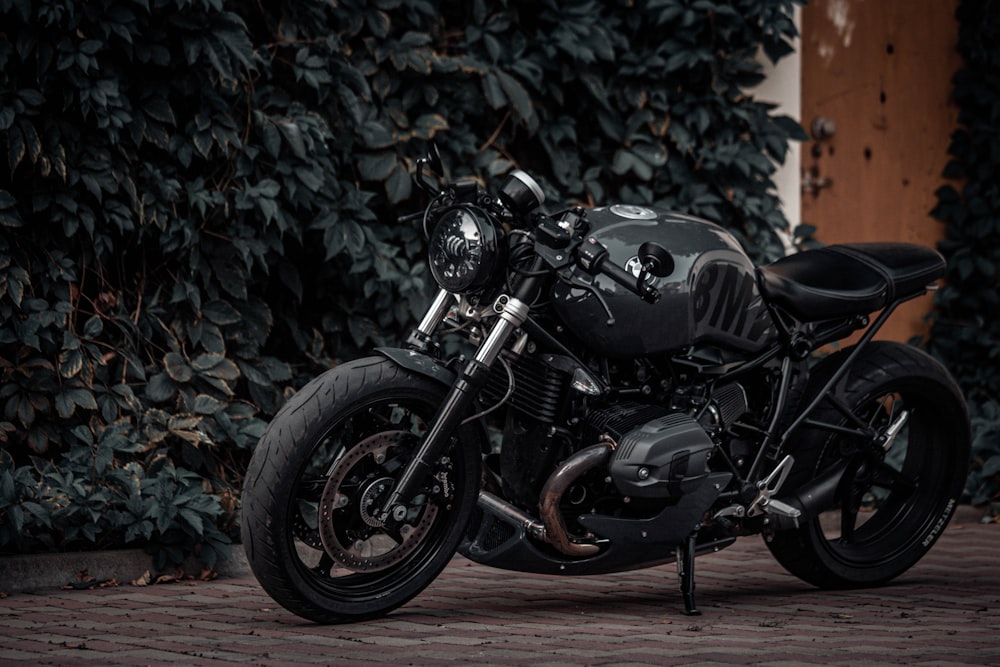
(513, 316)
(775, 444)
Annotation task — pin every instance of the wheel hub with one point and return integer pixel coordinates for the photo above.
(372, 498)
(358, 485)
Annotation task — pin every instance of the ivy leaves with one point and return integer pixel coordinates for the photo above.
(965, 335)
(197, 202)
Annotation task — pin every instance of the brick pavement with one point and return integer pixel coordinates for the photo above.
(946, 610)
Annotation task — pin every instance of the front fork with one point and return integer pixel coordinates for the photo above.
(512, 312)
(419, 338)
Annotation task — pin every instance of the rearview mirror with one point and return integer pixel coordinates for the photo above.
(430, 171)
(656, 259)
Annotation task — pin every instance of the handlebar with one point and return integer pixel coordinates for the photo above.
(519, 195)
(593, 258)
(410, 218)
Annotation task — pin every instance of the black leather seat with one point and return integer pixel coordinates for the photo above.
(848, 279)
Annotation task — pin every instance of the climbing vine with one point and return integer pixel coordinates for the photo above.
(966, 334)
(198, 203)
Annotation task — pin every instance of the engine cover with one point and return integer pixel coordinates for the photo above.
(663, 458)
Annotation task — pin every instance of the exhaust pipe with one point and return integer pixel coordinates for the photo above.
(515, 516)
(558, 483)
(813, 497)
(552, 528)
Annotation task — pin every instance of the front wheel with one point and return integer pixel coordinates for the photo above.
(327, 462)
(897, 493)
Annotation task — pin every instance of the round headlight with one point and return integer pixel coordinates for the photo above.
(463, 250)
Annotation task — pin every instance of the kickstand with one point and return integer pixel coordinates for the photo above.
(685, 573)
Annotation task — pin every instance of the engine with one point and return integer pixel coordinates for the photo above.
(662, 448)
(664, 454)
(663, 458)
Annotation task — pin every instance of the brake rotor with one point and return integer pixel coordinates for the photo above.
(358, 486)
(306, 533)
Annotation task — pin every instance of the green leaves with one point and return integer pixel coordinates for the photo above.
(198, 203)
(9, 216)
(137, 220)
(964, 334)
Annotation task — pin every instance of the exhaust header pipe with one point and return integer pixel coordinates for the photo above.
(558, 483)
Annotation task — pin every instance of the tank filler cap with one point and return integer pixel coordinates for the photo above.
(634, 212)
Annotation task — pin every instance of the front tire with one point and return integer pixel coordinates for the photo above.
(329, 457)
(891, 506)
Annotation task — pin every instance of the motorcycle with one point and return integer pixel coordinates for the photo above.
(608, 389)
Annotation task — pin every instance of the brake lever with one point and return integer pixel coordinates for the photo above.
(647, 292)
(590, 287)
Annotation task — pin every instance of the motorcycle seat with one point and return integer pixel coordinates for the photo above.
(849, 279)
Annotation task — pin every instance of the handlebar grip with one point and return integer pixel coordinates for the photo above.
(593, 258)
(646, 292)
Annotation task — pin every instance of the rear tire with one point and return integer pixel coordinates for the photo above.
(334, 451)
(891, 506)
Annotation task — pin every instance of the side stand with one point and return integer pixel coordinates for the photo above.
(685, 573)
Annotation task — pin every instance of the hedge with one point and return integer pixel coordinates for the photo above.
(966, 332)
(198, 203)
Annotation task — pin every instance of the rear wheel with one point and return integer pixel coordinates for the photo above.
(897, 493)
(327, 463)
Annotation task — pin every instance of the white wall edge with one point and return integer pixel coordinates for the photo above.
(783, 86)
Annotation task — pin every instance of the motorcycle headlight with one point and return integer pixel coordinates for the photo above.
(463, 250)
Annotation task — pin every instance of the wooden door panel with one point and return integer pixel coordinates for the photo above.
(881, 71)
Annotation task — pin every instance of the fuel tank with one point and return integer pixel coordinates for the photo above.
(710, 297)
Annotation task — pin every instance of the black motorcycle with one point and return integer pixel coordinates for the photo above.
(609, 389)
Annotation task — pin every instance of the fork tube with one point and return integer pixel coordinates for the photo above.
(455, 405)
(420, 336)
(512, 314)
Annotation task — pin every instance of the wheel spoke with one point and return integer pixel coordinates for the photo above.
(853, 492)
(311, 489)
(325, 565)
(848, 515)
(880, 411)
(889, 478)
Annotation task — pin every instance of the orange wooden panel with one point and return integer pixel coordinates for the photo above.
(881, 71)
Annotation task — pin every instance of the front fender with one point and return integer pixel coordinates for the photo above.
(418, 362)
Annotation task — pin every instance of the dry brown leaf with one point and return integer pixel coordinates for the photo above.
(144, 580)
(176, 575)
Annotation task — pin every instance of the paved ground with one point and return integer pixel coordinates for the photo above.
(946, 610)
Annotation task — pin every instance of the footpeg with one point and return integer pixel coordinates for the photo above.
(775, 506)
(769, 487)
(895, 427)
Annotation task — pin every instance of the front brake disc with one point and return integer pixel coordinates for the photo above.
(359, 484)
